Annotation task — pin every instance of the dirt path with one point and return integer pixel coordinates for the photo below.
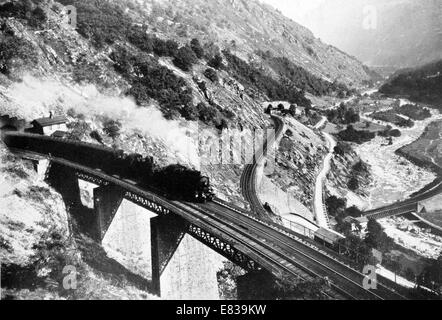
(321, 215)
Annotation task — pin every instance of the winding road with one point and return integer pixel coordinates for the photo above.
(321, 215)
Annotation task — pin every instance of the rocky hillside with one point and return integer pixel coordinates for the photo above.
(246, 27)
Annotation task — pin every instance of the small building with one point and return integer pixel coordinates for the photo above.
(327, 236)
(47, 126)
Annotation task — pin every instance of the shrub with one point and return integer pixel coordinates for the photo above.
(302, 78)
(342, 148)
(257, 79)
(168, 48)
(15, 52)
(141, 40)
(86, 71)
(17, 9)
(350, 134)
(197, 48)
(353, 212)
(148, 43)
(216, 62)
(376, 237)
(96, 136)
(112, 128)
(102, 22)
(351, 116)
(211, 74)
(206, 113)
(335, 205)
(38, 18)
(184, 58)
(158, 82)
(190, 112)
(353, 184)
(359, 167)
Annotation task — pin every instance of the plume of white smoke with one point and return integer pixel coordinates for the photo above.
(34, 98)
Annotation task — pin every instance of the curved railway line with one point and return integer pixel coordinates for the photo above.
(304, 254)
(406, 206)
(248, 177)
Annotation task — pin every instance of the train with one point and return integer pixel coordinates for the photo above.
(175, 182)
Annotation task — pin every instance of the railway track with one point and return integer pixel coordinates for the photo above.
(248, 177)
(406, 206)
(348, 281)
(279, 258)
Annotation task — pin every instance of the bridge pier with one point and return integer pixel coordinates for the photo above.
(107, 200)
(41, 167)
(166, 235)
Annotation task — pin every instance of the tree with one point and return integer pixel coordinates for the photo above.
(102, 22)
(38, 18)
(15, 52)
(197, 48)
(292, 110)
(216, 62)
(359, 167)
(353, 211)
(353, 184)
(190, 112)
(112, 128)
(206, 113)
(350, 116)
(184, 58)
(341, 148)
(376, 237)
(168, 48)
(211, 74)
(335, 205)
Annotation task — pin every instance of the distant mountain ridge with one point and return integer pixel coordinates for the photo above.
(423, 84)
(405, 33)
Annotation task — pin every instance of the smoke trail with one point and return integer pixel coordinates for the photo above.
(34, 98)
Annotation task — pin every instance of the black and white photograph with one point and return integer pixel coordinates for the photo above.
(215, 157)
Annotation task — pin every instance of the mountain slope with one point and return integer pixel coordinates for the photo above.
(245, 27)
(423, 84)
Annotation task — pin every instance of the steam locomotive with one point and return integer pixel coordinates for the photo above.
(174, 182)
